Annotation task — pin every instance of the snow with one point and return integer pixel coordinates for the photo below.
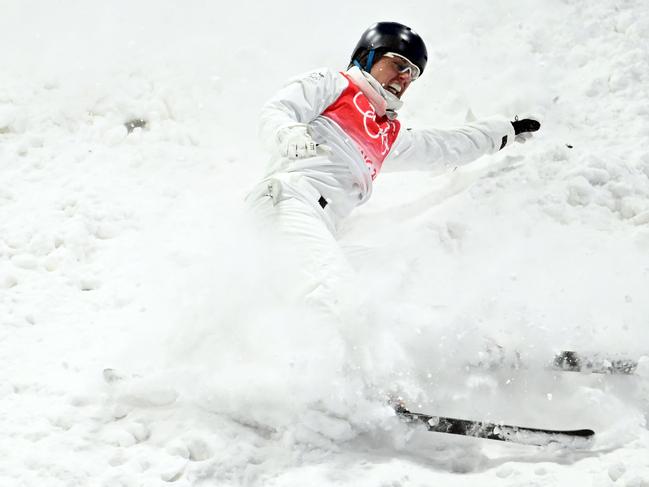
(131, 251)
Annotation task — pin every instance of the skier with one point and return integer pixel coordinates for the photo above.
(331, 133)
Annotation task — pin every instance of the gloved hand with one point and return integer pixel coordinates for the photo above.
(295, 142)
(524, 128)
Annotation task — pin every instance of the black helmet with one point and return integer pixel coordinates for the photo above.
(384, 37)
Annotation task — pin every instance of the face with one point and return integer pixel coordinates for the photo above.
(387, 72)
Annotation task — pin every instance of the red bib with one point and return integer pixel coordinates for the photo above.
(373, 135)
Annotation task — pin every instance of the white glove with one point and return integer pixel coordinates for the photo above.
(295, 142)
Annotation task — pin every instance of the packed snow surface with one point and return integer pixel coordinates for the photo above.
(144, 337)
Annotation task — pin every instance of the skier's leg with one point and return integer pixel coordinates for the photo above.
(317, 267)
(318, 274)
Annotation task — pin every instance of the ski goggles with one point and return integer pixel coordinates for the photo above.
(403, 65)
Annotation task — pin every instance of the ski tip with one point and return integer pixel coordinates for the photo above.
(573, 439)
(584, 433)
(578, 439)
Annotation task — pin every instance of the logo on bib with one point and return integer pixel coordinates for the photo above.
(372, 129)
(374, 136)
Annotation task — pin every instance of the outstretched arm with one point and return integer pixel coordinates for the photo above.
(426, 148)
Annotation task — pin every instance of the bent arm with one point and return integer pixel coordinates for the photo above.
(299, 102)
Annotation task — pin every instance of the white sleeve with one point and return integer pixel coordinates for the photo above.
(426, 148)
(299, 102)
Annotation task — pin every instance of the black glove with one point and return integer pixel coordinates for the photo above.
(525, 125)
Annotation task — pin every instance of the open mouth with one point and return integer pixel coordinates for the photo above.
(394, 88)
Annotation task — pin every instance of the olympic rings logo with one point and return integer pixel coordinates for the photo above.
(370, 115)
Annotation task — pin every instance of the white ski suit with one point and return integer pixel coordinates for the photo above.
(306, 199)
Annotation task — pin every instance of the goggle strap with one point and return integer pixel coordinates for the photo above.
(370, 61)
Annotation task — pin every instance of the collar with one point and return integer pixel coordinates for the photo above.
(384, 102)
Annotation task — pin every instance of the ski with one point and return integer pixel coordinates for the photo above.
(570, 361)
(565, 361)
(578, 439)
